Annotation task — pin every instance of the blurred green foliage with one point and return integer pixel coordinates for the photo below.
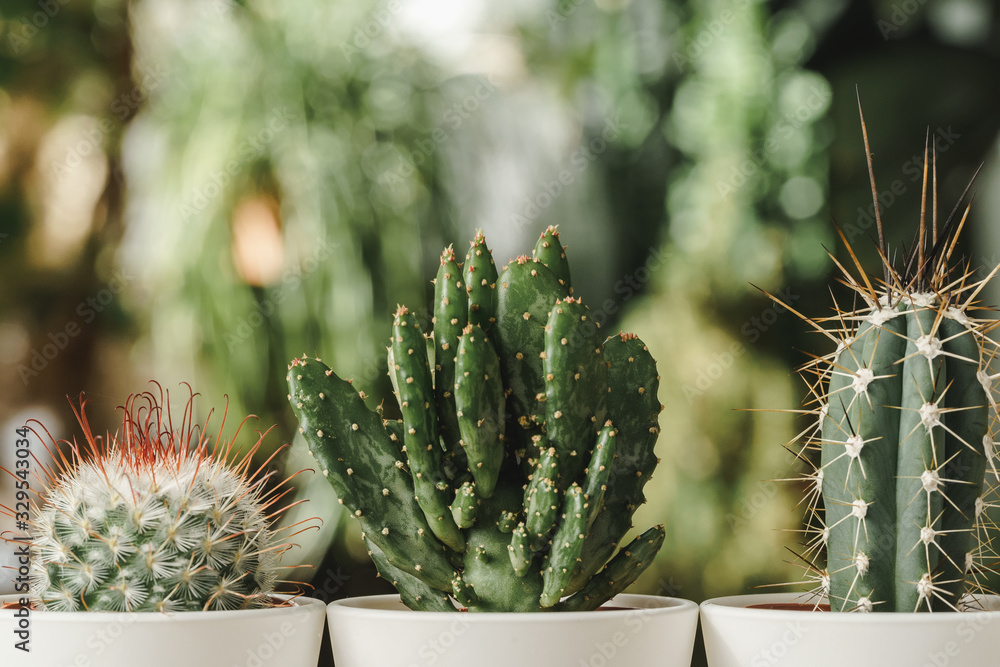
(264, 179)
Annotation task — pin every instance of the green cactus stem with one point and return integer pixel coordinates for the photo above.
(633, 409)
(541, 499)
(567, 545)
(420, 435)
(451, 312)
(576, 384)
(525, 294)
(480, 282)
(556, 431)
(905, 419)
(481, 402)
(550, 252)
(466, 505)
(358, 457)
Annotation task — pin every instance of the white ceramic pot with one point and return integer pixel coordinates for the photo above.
(736, 636)
(278, 637)
(379, 631)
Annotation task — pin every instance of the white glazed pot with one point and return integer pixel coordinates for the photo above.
(379, 631)
(736, 636)
(277, 637)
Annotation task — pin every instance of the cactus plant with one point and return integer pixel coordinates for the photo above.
(151, 519)
(524, 445)
(905, 416)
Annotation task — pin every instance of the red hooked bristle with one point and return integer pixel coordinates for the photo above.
(148, 440)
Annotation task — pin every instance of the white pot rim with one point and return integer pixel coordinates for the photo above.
(738, 636)
(737, 606)
(639, 627)
(104, 617)
(390, 606)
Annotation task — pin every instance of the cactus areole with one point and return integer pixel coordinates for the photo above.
(905, 417)
(153, 518)
(525, 442)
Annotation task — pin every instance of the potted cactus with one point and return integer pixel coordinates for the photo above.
(525, 441)
(152, 545)
(905, 417)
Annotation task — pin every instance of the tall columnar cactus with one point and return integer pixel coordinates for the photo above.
(151, 520)
(905, 420)
(525, 442)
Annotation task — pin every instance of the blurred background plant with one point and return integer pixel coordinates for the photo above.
(200, 190)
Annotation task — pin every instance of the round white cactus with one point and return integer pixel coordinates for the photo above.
(151, 520)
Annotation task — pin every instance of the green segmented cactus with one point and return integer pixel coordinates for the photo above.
(420, 437)
(633, 409)
(567, 546)
(450, 317)
(525, 294)
(480, 399)
(576, 384)
(151, 520)
(905, 420)
(550, 252)
(557, 428)
(480, 281)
